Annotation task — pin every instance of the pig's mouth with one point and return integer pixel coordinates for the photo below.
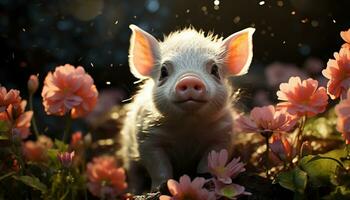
(190, 104)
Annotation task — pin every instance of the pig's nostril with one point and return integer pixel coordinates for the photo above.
(183, 87)
(197, 87)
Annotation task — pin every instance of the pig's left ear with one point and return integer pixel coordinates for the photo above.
(238, 52)
(143, 52)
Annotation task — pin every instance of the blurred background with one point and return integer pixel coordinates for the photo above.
(293, 37)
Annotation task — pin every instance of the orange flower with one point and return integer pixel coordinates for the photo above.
(338, 73)
(18, 119)
(266, 119)
(346, 37)
(69, 88)
(302, 97)
(37, 151)
(281, 147)
(106, 179)
(343, 112)
(7, 98)
(185, 189)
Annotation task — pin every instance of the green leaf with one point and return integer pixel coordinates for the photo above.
(7, 175)
(294, 180)
(4, 126)
(33, 182)
(61, 146)
(339, 193)
(3, 137)
(321, 167)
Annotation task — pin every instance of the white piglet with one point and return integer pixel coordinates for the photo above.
(183, 109)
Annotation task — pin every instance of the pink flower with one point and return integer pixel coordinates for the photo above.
(106, 179)
(33, 84)
(266, 119)
(37, 151)
(69, 88)
(223, 171)
(7, 98)
(346, 37)
(302, 97)
(22, 125)
(338, 73)
(277, 73)
(281, 147)
(231, 191)
(76, 139)
(18, 120)
(343, 112)
(185, 189)
(65, 158)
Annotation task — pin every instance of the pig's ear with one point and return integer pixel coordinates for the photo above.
(143, 52)
(238, 52)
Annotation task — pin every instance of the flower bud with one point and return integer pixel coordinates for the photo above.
(65, 158)
(33, 84)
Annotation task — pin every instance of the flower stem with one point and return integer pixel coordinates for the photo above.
(267, 157)
(67, 127)
(35, 127)
(299, 137)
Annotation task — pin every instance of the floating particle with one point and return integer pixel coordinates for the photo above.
(116, 22)
(23, 29)
(92, 65)
(261, 3)
(111, 65)
(216, 2)
(304, 20)
(176, 16)
(135, 16)
(204, 8)
(272, 34)
(334, 21)
(152, 6)
(280, 3)
(263, 32)
(114, 115)
(188, 11)
(283, 42)
(252, 25)
(236, 19)
(293, 12)
(314, 23)
(108, 82)
(216, 7)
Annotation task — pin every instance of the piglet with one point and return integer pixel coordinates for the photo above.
(183, 110)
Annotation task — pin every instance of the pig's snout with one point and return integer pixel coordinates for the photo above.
(190, 88)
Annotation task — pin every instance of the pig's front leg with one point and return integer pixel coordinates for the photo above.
(157, 164)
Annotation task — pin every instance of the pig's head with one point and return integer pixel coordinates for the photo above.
(189, 69)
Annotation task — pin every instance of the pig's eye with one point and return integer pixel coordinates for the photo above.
(215, 71)
(163, 73)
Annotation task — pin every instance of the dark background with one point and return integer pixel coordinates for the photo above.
(38, 35)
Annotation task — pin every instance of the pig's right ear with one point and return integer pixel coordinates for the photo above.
(143, 52)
